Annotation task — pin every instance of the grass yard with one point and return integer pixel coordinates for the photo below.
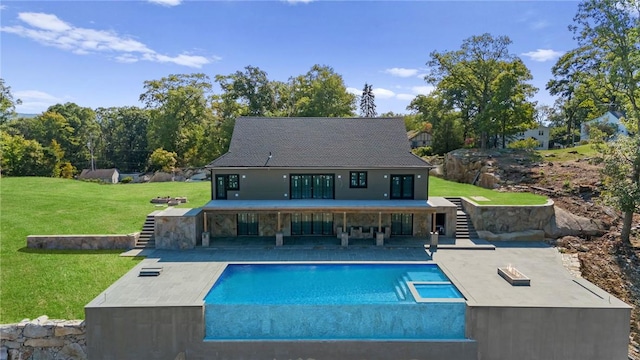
(567, 153)
(440, 187)
(36, 282)
(59, 283)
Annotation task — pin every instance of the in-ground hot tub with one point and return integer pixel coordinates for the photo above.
(334, 302)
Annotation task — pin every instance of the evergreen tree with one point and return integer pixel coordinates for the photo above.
(367, 102)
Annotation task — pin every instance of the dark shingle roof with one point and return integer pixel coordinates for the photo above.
(319, 142)
(97, 173)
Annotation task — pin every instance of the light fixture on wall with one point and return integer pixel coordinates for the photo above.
(245, 176)
(385, 176)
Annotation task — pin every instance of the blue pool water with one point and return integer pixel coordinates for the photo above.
(333, 301)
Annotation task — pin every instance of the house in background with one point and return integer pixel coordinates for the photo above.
(540, 134)
(110, 176)
(610, 117)
(321, 176)
(419, 138)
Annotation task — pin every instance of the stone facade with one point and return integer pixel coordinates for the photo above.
(178, 229)
(504, 219)
(82, 242)
(43, 338)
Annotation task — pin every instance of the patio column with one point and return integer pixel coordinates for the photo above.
(379, 221)
(279, 222)
(344, 222)
(205, 220)
(433, 222)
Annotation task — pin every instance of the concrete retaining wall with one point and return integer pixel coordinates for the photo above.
(504, 219)
(507, 333)
(43, 339)
(82, 242)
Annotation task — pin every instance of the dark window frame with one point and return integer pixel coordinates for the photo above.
(402, 189)
(312, 195)
(359, 176)
(245, 227)
(231, 183)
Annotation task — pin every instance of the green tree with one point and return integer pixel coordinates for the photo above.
(179, 114)
(608, 36)
(24, 157)
(321, 92)
(161, 159)
(487, 84)
(252, 89)
(124, 137)
(7, 104)
(447, 135)
(84, 129)
(367, 102)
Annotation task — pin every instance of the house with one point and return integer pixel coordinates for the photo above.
(110, 176)
(610, 117)
(419, 138)
(540, 134)
(321, 176)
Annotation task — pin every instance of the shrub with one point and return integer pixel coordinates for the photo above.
(127, 180)
(526, 144)
(423, 151)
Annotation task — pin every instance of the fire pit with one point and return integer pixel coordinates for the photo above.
(513, 276)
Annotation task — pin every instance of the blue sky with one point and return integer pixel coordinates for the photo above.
(99, 53)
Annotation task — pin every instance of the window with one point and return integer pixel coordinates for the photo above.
(317, 186)
(540, 132)
(401, 224)
(402, 186)
(226, 182)
(247, 224)
(358, 179)
(312, 224)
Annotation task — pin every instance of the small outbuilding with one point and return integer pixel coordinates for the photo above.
(109, 176)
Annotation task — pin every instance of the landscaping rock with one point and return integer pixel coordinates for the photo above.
(37, 331)
(528, 235)
(565, 223)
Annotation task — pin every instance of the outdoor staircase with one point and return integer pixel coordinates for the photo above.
(464, 226)
(146, 239)
(401, 288)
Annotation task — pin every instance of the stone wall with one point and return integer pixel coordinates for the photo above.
(43, 338)
(178, 229)
(504, 219)
(82, 242)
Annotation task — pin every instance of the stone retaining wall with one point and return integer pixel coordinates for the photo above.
(82, 242)
(42, 338)
(505, 219)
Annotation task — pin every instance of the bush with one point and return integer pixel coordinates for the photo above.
(423, 151)
(127, 180)
(526, 144)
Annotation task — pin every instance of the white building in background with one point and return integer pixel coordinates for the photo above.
(610, 117)
(540, 134)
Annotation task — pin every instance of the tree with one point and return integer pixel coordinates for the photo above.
(24, 157)
(251, 89)
(487, 84)
(321, 93)
(84, 130)
(179, 115)
(124, 137)
(7, 104)
(367, 102)
(161, 159)
(608, 37)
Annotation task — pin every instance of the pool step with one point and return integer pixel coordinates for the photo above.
(401, 287)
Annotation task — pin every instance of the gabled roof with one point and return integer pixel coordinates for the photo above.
(319, 142)
(97, 173)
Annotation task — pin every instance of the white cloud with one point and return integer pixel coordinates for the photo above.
(166, 2)
(422, 90)
(406, 97)
(2, 7)
(402, 72)
(539, 24)
(383, 93)
(49, 30)
(543, 55)
(35, 101)
(354, 91)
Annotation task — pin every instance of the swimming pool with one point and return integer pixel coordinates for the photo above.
(333, 301)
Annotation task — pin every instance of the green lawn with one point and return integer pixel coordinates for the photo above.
(567, 153)
(59, 283)
(440, 187)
